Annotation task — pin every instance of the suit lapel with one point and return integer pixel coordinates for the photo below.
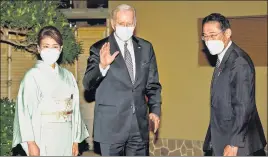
(137, 52)
(212, 80)
(219, 70)
(118, 66)
(119, 61)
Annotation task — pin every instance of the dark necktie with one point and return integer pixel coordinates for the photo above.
(129, 63)
(218, 63)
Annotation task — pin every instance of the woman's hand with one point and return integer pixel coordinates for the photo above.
(33, 149)
(75, 149)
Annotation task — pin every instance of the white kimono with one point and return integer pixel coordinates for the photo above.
(47, 111)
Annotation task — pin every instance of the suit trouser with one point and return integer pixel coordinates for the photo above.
(134, 145)
(260, 152)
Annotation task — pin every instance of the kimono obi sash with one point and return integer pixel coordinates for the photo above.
(57, 110)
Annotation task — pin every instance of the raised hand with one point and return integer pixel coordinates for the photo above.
(105, 56)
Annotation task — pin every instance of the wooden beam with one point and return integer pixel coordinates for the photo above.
(85, 13)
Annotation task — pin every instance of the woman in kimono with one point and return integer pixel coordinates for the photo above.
(48, 120)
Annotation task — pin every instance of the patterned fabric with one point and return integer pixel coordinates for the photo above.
(129, 63)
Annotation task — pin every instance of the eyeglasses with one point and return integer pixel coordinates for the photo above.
(213, 36)
(126, 24)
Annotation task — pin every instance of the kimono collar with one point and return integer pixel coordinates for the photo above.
(40, 64)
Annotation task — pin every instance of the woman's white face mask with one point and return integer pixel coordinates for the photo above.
(50, 55)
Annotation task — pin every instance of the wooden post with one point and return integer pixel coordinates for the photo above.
(9, 79)
(76, 60)
(107, 27)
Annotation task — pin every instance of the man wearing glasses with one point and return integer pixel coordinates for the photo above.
(122, 70)
(235, 127)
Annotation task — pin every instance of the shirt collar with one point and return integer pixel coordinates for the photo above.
(221, 55)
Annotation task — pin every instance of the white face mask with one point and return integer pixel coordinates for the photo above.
(124, 33)
(215, 46)
(50, 55)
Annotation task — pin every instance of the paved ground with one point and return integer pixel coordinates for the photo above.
(90, 153)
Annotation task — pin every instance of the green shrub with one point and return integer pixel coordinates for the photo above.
(7, 112)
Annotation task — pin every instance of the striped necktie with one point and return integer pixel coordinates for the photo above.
(129, 63)
(218, 63)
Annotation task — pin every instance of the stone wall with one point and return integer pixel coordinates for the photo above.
(178, 147)
(174, 147)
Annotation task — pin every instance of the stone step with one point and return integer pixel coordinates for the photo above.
(90, 153)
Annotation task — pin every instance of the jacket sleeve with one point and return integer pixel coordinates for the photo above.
(93, 75)
(207, 143)
(153, 86)
(243, 101)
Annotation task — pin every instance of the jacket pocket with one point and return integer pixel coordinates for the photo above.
(106, 109)
(145, 64)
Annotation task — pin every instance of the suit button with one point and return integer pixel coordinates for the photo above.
(133, 90)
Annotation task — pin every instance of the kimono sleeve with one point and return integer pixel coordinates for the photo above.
(27, 100)
(80, 131)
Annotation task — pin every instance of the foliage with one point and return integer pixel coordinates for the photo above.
(24, 18)
(7, 111)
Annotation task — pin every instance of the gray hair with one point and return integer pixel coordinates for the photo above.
(123, 7)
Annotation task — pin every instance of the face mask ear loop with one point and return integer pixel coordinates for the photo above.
(38, 49)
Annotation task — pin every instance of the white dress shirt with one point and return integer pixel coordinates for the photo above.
(121, 47)
(221, 55)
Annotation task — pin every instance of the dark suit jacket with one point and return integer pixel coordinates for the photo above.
(115, 94)
(234, 118)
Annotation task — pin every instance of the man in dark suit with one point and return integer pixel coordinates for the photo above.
(235, 128)
(122, 70)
